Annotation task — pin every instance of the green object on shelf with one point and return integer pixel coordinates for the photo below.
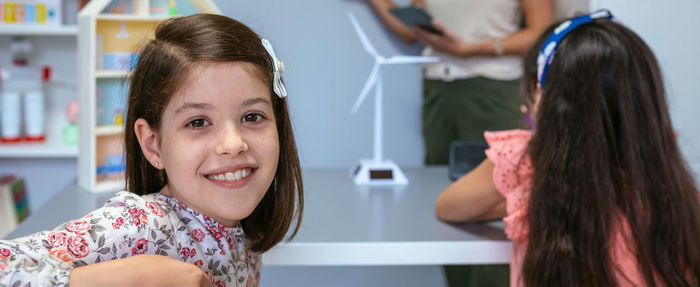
(69, 133)
(172, 11)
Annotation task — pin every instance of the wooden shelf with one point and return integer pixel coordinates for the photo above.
(108, 130)
(38, 30)
(106, 74)
(37, 150)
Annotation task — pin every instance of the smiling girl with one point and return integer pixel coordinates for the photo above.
(213, 175)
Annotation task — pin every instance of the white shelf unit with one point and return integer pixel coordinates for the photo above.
(106, 74)
(38, 150)
(49, 166)
(98, 139)
(38, 30)
(128, 17)
(108, 130)
(52, 44)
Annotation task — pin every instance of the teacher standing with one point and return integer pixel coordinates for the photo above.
(475, 86)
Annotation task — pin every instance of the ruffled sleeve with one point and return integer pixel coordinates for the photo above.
(512, 176)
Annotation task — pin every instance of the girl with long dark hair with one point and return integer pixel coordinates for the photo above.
(598, 194)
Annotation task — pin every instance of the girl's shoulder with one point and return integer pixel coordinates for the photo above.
(516, 136)
(125, 199)
(129, 200)
(147, 208)
(508, 151)
(507, 148)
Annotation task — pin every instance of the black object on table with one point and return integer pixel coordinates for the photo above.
(465, 156)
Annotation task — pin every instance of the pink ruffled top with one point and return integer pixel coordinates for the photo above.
(512, 176)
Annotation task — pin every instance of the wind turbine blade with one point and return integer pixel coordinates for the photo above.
(365, 90)
(410, 60)
(363, 38)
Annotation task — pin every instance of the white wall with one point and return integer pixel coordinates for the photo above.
(670, 29)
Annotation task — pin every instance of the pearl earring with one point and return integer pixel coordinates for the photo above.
(156, 164)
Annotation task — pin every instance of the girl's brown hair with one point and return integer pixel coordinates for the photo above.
(163, 64)
(604, 151)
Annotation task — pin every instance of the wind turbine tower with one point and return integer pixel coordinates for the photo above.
(378, 170)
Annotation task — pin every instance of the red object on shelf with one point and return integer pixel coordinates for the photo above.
(45, 74)
(35, 138)
(11, 140)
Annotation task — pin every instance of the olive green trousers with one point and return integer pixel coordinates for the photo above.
(462, 110)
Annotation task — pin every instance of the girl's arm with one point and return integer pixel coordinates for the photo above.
(473, 197)
(142, 270)
(382, 8)
(538, 16)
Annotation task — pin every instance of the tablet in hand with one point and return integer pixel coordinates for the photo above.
(414, 15)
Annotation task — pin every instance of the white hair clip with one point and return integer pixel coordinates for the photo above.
(278, 86)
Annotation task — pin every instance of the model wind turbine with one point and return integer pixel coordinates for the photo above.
(377, 170)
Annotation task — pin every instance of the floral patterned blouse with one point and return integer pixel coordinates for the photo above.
(129, 225)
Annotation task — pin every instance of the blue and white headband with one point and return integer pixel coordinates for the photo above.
(278, 67)
(544, 59)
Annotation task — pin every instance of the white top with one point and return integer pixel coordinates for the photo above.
(475, 21)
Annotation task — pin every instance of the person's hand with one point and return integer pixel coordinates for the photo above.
(141, 270)
(419, 3)
(448, 42)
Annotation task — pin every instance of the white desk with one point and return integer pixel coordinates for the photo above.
(347, 225)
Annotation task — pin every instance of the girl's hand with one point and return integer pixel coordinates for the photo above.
(141, 270)
(448, 42)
